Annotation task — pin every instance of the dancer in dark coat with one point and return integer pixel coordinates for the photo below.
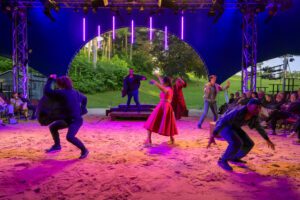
(72, 107)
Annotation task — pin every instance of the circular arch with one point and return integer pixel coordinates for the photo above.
(138, 27)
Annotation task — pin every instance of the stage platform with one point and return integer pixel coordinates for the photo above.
(131, 112)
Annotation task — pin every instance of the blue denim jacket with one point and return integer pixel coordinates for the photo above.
(236, 119)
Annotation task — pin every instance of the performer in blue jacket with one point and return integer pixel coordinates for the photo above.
(72, 106)
(239, 143)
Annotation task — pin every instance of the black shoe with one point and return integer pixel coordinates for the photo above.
(53, 149)
(238, 161)
(199, 126)
(224, 164)
(84, 154)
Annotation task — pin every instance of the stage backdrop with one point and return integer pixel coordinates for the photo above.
(54, 44)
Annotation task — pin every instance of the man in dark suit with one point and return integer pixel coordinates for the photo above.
(131, 85)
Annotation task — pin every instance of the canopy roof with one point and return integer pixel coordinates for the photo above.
(54, 44)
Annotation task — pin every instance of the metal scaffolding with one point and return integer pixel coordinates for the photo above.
(249, 51)
(20, 50)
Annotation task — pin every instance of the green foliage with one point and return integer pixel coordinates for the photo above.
(179, 60)
(108, 75)
(5, 64)
(141, 62)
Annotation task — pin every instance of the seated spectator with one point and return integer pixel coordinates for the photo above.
(237, 97)
(267, 101)
(30, 106)
(5, 107)
(245, 98)
(19, 105)
(261, 96)
(231, 99)
(279, 101)
(254, 95)
(265, 111)
(3, 103)
(282, 113)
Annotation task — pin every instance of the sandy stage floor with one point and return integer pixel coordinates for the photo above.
(119, 167)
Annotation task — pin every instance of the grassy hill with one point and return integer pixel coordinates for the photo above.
(149, 94)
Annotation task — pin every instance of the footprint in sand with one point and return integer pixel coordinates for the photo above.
(21, 166)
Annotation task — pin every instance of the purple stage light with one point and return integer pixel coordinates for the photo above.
(166, 38)
(83, 29)
(99, 37)
(132, 31)
(150, 29)
(114, 27)
(182, 27)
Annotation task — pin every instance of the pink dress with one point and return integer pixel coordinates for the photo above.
(162, 119)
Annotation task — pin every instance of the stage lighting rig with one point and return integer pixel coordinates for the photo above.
(216, 10)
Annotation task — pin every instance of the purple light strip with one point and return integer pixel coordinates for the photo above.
(114, 28)
(182, 27)
(166, 38)
(132, 31)
(83, 29)
(150, 30)
(99, 36)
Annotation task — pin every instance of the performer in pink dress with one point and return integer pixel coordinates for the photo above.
(162, 119)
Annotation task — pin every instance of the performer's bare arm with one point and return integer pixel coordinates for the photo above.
(159, 78)
(224, 87)
(160, 86)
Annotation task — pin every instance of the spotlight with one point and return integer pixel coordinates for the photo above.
(99, 3)
(211, 12)
(216, 10)
(85, 9)
(47, 12)
(129, 10)
(48, 6)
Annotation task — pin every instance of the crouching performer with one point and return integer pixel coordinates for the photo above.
(70, 105)
(239, 143)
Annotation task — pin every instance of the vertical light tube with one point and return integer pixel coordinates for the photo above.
(166, 38)
(132, 31)
(99, 36)
(83, 29)
(182, 27)
(150, 29)
(114, 28)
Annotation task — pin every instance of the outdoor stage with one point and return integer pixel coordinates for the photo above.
(119, 167)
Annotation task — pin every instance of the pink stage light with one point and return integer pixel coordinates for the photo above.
(83, 29)
(132, 31)
(166, 38)
(99, 36)
(182, 27)
(114, 28)
(150, 29)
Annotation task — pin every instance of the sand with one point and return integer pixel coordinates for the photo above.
(120, 167)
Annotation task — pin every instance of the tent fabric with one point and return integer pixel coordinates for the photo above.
(54, 44)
